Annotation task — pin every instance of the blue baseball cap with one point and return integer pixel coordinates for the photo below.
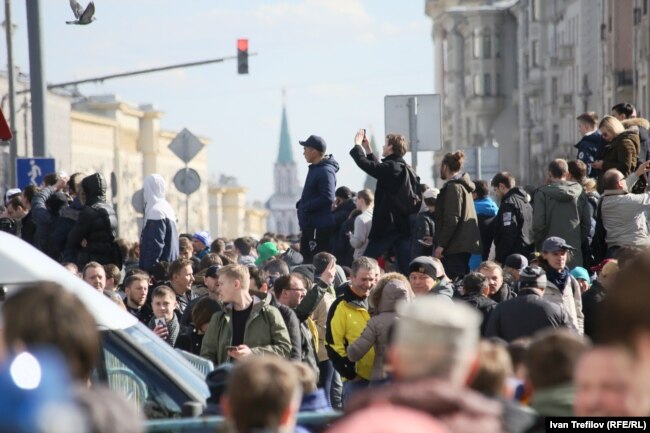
(315, 142)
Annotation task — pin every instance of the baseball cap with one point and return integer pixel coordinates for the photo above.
(10, 193)
(212, 271)
(203, 237)
(516, 261)
(427, 265)
(315, 142)
(554, 244)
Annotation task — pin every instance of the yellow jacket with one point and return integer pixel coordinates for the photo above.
(346, 321)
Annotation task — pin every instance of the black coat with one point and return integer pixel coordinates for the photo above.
(591, 305)
(389, 175)
(524, 315)
(484, 305)
(97, 224)
(513, 226)
(190, 341)
(339, 242)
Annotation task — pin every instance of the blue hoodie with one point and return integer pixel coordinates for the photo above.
(590, 148)
(315, 204)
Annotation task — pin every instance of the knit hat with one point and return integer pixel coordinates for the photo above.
(580, 273)
(532, 276)
(265, 252)
(427, 265)
(516, 261)
(203, 237)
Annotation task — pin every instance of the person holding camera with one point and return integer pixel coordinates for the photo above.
(390, 227)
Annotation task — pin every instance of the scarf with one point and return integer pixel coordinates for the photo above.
(172, 329)
(560, 278)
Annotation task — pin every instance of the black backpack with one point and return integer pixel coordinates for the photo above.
(407, 199)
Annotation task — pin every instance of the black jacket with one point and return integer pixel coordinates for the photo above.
(513, 226)
(389, 175)
(524, 315)
(293, 325)
(190, 341)
(339, 242)
(591, 305)
(97, 224)
(422, 227)
(484, 305)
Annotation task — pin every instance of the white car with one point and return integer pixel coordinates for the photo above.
(134, 360)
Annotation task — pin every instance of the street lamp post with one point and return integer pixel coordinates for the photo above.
(37, 78)
(10, 179)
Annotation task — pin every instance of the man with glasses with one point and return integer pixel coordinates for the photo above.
(622, 213)
(427, 276)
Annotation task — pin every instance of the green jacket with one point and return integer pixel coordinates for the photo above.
(562, 209)
(265, 333)
(455, 218)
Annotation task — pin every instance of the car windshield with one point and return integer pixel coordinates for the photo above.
(161, 350)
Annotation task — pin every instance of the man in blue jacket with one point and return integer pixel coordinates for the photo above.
(315, 215)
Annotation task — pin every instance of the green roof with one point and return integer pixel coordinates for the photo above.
(285, 154)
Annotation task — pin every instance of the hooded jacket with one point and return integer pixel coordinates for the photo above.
(389, 174)
(455, 218)
(67, 219)
(265, 333)
(483, 305)
(589, 148)
(376, 332)
(346, 320)
(642, 125)
(513, 226)
(159, 238)
(622, 152)
(96, 224)
(315, 204)
(562, 209)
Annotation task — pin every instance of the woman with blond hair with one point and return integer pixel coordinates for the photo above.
(622, 149)
(391, 289)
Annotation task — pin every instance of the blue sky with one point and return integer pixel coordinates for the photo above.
(336, 58)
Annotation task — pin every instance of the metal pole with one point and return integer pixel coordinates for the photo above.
(187, 204)
(36, 78)
(413, 131)
(13, 144)
(479, 169)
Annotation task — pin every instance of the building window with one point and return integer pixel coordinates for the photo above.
(497, 45)
(468, 127)
(535, 53)
(554, 89)
(477, 46)
(487, 84)
(645, 6)
(536, 9)
(487, 44)
(498, 83)
(477, 85)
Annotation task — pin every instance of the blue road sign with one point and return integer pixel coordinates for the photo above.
(31, 170)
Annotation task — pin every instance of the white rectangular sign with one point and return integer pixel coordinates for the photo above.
(429, 119)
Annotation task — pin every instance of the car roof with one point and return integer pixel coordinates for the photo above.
(21, 263)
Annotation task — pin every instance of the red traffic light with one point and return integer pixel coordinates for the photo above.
(242, 56)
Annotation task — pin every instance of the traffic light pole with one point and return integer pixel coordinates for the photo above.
(139, 72)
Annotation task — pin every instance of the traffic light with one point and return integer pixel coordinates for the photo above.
(242, 56)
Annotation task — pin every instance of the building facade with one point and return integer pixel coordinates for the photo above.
(517, 73)
(283, 218)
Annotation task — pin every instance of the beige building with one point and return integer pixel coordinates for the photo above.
(126, 143)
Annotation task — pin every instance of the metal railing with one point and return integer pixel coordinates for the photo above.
(212, 423)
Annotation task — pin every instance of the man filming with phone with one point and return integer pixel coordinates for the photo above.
(390, 226)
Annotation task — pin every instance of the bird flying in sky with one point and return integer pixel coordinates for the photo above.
(82, 16)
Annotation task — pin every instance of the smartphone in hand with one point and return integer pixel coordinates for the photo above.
(161, 322)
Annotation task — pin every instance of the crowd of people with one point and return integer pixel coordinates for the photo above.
(479, 306)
